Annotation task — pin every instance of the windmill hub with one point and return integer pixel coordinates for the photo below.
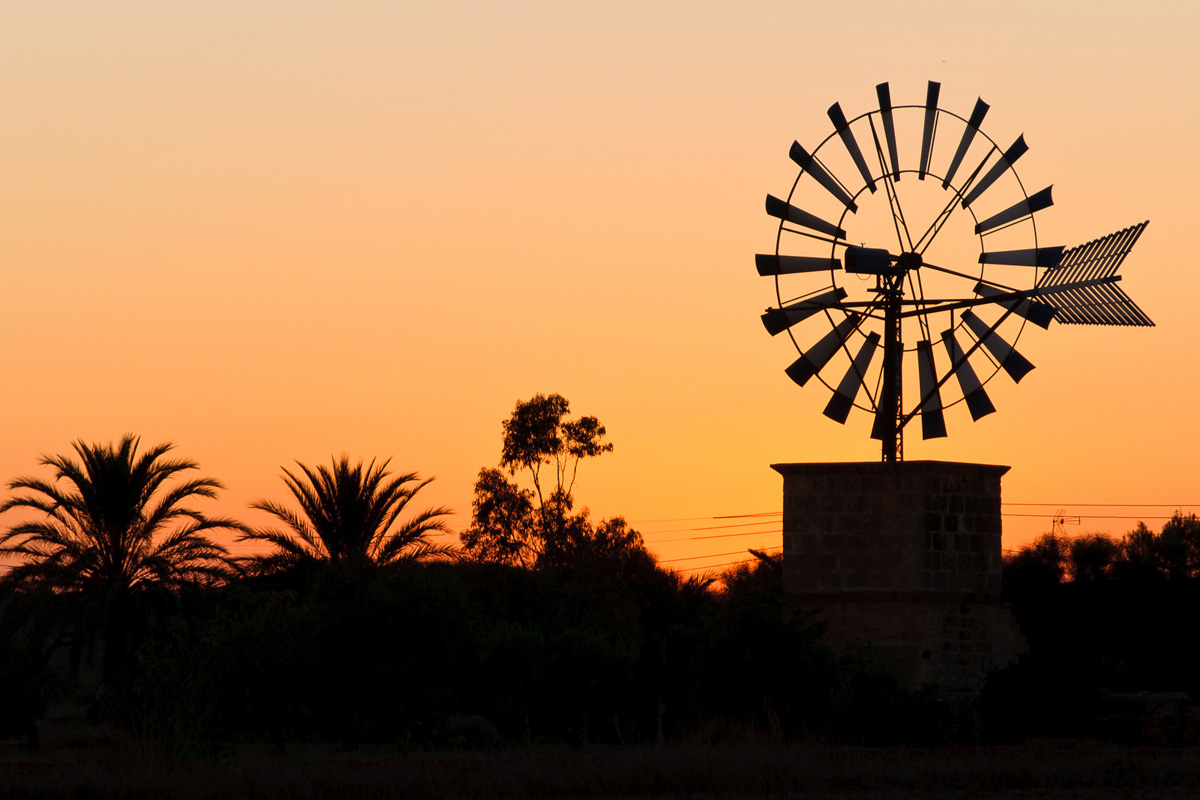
(878, 261)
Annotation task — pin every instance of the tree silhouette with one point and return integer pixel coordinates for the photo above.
(514, 525)
(538, 435)
(1092, 556)
(1037, 566)
(110, 527)
(349, 515)
(502, 526)
(103, 524)
(1179, 546)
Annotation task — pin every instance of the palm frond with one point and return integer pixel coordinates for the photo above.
(300, 528)
(349, 512)
(101, 522)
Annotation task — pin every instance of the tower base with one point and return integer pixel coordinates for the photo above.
(903, 558)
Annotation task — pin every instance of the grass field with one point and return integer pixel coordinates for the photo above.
(1044, 769)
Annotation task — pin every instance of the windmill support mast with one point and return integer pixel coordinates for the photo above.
(888, 427)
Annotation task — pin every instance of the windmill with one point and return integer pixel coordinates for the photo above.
(953, 273)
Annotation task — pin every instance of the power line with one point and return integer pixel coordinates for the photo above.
(702, 519)
(717, 527)
(716, 566)
(1087, 516)
(697, 558)
(731, 535)
(1010, 514)
(1108, 505)
(1005, 503)
(721, 536)
(779, 531)
(756, 514)
(738, 525)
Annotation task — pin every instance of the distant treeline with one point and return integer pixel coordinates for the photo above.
(478, 655)
(1108, 620)
(348, 624)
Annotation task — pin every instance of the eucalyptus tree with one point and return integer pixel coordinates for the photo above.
(347, 515)
(529, 527)
(539, 526)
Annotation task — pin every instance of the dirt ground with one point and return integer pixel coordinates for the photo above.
(1034, 770)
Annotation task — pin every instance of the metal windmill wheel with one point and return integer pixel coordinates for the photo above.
(933, 259)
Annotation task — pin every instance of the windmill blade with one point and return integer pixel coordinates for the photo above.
(977, 115)
(1015, 151)
(822, 176)
(933, 422)
(770, 264)
(889, 126)
(777, 320)
(814, 360)
(979, 404)
(788, 212)
(1088, 303)
(847, 136)
(843, 399)
(1016, 211)
(1015, 364)
(1038, 313)
(929, 128)
(1048, 257)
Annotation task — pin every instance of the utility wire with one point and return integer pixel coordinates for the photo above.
(697, 558)
(731, 535)
(1086, 516)
(1061, 506)
(1108, 505)
(702, 519)
(1005, 503)
(718, 527)
(715, 566)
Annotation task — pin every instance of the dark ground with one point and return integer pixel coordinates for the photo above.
(1039, 769)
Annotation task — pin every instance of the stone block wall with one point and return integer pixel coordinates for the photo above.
(905, 558)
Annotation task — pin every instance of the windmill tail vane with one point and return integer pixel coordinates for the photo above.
(1102, 304)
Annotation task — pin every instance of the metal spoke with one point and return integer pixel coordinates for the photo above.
(919, 294)
(926, 265)
(898, 220)
(936, 226)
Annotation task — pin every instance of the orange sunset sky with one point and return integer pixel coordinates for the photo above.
(273, 231)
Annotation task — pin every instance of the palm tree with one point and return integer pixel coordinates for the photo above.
(109, 529)
(104, 525)
(348, 515)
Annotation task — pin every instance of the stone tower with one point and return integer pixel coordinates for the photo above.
(904, 558)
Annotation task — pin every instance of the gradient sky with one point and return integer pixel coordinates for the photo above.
(273, 231)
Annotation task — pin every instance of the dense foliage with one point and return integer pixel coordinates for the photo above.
(354, 628)
(1105, 618)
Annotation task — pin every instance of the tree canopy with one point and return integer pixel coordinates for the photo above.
(110, 520)
(349, 514)
(539, 526)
